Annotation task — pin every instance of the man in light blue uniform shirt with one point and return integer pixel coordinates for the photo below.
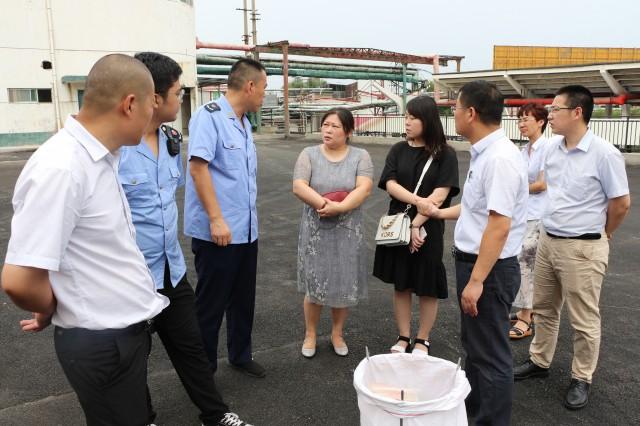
(588, 199)
(150, 174)
(488, 238)
(221, 215)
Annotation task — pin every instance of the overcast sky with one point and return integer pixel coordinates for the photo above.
(454, 27)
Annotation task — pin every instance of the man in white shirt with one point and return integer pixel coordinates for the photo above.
(488, 237)
(72, 257)
(588, 199)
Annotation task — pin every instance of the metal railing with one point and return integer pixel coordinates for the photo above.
(624, 133)
(299, 123)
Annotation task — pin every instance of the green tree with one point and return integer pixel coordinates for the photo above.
(305, 83)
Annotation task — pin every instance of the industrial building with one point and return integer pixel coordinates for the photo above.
(49, 46)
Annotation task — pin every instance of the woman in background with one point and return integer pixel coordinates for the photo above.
(532, 121)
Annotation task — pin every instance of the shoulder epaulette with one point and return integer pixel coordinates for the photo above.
(212, 107)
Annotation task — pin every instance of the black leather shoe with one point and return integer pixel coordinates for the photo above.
(577, 395)
(528, 369)
(251, 368)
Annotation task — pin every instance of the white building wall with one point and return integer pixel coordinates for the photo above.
(84, 31)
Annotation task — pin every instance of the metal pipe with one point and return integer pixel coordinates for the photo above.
(436, 87)
(223, 46)
(54, 67)
(612, 100)
(404, 88)
(345, 75)
(276, 63)
(285, 74)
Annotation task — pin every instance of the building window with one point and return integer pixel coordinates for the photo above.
(29, 95)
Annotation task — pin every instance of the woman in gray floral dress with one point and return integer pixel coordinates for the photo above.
(333, 180)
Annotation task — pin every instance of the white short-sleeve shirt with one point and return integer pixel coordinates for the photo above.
(580, 183)
(71, 217)
(497, 180)
(534, 162)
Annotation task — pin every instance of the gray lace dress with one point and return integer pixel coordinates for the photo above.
(332, 255)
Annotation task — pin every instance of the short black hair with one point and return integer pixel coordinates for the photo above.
(345, 117)
(164, 70)
(244, 70)
(425, 109)
(485, 98)
(578, 96)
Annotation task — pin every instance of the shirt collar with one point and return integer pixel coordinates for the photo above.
(94, 147)
(540, 142)
(225, 106)
(478, 147)
(144, 149)
(583, 145)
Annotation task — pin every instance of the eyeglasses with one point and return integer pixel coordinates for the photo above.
(553, 109)
(180, 94)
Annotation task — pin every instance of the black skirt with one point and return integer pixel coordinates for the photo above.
(423, 271)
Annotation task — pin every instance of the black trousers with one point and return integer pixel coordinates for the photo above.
(226, 285)
(178, 330)
(107, 369)
(485, 339)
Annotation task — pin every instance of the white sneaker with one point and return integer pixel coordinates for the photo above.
(232, 419)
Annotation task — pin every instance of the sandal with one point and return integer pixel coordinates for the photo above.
(516, 333)
(422, 342)
(514, 318)
(397, 349)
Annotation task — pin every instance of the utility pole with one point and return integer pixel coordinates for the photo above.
(254, 31)
(245, 12)
(256, 54)
(285, 75)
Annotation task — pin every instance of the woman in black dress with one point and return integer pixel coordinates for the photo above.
(418, 268)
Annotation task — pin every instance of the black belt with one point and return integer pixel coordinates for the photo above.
(133, 329)
(593, 236)
(462, 256)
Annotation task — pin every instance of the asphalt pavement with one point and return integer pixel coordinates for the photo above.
(298, 391)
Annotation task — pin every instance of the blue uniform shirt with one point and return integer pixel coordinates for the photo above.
(150, 186)
(219, 137)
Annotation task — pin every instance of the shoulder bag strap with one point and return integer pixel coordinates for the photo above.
(424, 172)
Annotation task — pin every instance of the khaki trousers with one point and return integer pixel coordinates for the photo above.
(571, 272)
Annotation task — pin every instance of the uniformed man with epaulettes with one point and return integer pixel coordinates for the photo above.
(221, 215)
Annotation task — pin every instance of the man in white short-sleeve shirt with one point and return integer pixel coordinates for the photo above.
(72, 257)
(588, 199)
(488, 237)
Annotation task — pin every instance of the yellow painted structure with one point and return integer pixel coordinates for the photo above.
(511, 57)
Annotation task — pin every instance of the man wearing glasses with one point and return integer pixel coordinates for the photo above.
(588, 199)
(150, 174)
